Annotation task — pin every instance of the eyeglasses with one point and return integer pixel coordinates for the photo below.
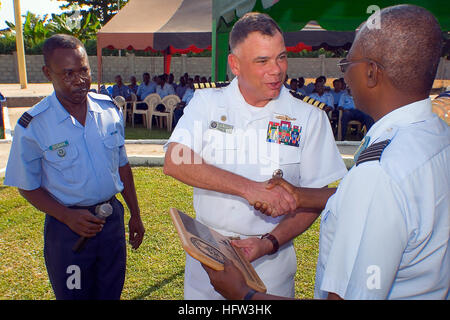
(71, 75)
(344, 63)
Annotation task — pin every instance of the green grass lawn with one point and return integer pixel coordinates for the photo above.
(139, 132)
(154, 271)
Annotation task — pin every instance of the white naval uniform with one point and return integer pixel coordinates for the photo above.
(385, 233)
(230, 134)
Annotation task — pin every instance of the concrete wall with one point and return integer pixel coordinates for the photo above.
(134, 65)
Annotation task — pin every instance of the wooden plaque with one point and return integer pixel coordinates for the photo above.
(211, 248)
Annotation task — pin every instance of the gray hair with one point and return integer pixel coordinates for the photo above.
(408, 45)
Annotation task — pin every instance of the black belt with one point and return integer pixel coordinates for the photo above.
(92, 208)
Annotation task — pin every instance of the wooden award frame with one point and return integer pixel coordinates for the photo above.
(211, 248)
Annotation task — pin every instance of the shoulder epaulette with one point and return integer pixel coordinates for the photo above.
(25, 119)
(373, 153)
(202, 85)
(103, 97)
(307, 99)
(100, 96)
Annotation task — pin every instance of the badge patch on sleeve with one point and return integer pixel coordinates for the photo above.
(283, 133)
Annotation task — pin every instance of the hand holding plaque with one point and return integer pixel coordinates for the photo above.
(212, 249)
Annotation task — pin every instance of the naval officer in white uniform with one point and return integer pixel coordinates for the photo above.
(385, 233)
(231, 140)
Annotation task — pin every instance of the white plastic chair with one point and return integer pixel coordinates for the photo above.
(122, 103)
(152, 100)
(138, 111)
(170, 102)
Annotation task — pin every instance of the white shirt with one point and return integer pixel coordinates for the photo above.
(385, 233)
(242, 148)
(316, 162)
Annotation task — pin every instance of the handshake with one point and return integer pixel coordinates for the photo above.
(279, 197)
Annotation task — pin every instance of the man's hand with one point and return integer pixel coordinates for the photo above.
(268, 209)
(230, 282)
(83, 223)
(137, 230)
(253, 248)
(310, 199)
(278, 199)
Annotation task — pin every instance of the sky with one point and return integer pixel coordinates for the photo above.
(39, 7)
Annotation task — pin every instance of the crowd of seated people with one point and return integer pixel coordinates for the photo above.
(163, 85)
(336, 99)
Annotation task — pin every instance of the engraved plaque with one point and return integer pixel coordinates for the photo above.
(211, 248)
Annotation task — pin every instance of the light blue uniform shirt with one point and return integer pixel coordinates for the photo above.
(77, 165)
(346, 101)
(385, 232)
(145, 89)
(326, 98)
(166, 90)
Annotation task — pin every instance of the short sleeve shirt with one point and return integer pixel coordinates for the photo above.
(385, 233)
(287, 134)
(77, 165)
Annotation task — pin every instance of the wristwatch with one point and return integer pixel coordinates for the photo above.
(274, 241)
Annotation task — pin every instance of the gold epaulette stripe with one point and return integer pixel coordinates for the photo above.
(202, 85)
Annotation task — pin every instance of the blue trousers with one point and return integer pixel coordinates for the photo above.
(97, 272)
(355, 114)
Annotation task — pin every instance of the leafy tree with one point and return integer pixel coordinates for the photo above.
(35, 29)
(86, 28)
(104, 10)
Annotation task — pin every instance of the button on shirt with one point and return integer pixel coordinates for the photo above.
(218, 125)
(385, 233)
(77, 165)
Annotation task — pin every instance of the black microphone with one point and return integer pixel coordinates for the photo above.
(102, 211)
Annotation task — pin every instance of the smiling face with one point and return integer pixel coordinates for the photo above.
(260, 63)
(70, 74)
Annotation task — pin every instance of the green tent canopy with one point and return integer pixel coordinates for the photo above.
(293, 15)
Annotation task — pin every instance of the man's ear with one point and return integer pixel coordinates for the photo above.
(46, 72)
(373, 75)
(233, 62)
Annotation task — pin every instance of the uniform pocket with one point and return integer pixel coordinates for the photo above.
(284, 161)
(63, 160)
(112, 144)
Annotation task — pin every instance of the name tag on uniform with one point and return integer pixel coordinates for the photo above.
(59, 148)
(226, 128)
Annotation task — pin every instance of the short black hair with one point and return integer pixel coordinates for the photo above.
(408, 45)
(252, 22)
(59, 41)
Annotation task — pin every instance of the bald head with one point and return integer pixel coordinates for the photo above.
(408, 46)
